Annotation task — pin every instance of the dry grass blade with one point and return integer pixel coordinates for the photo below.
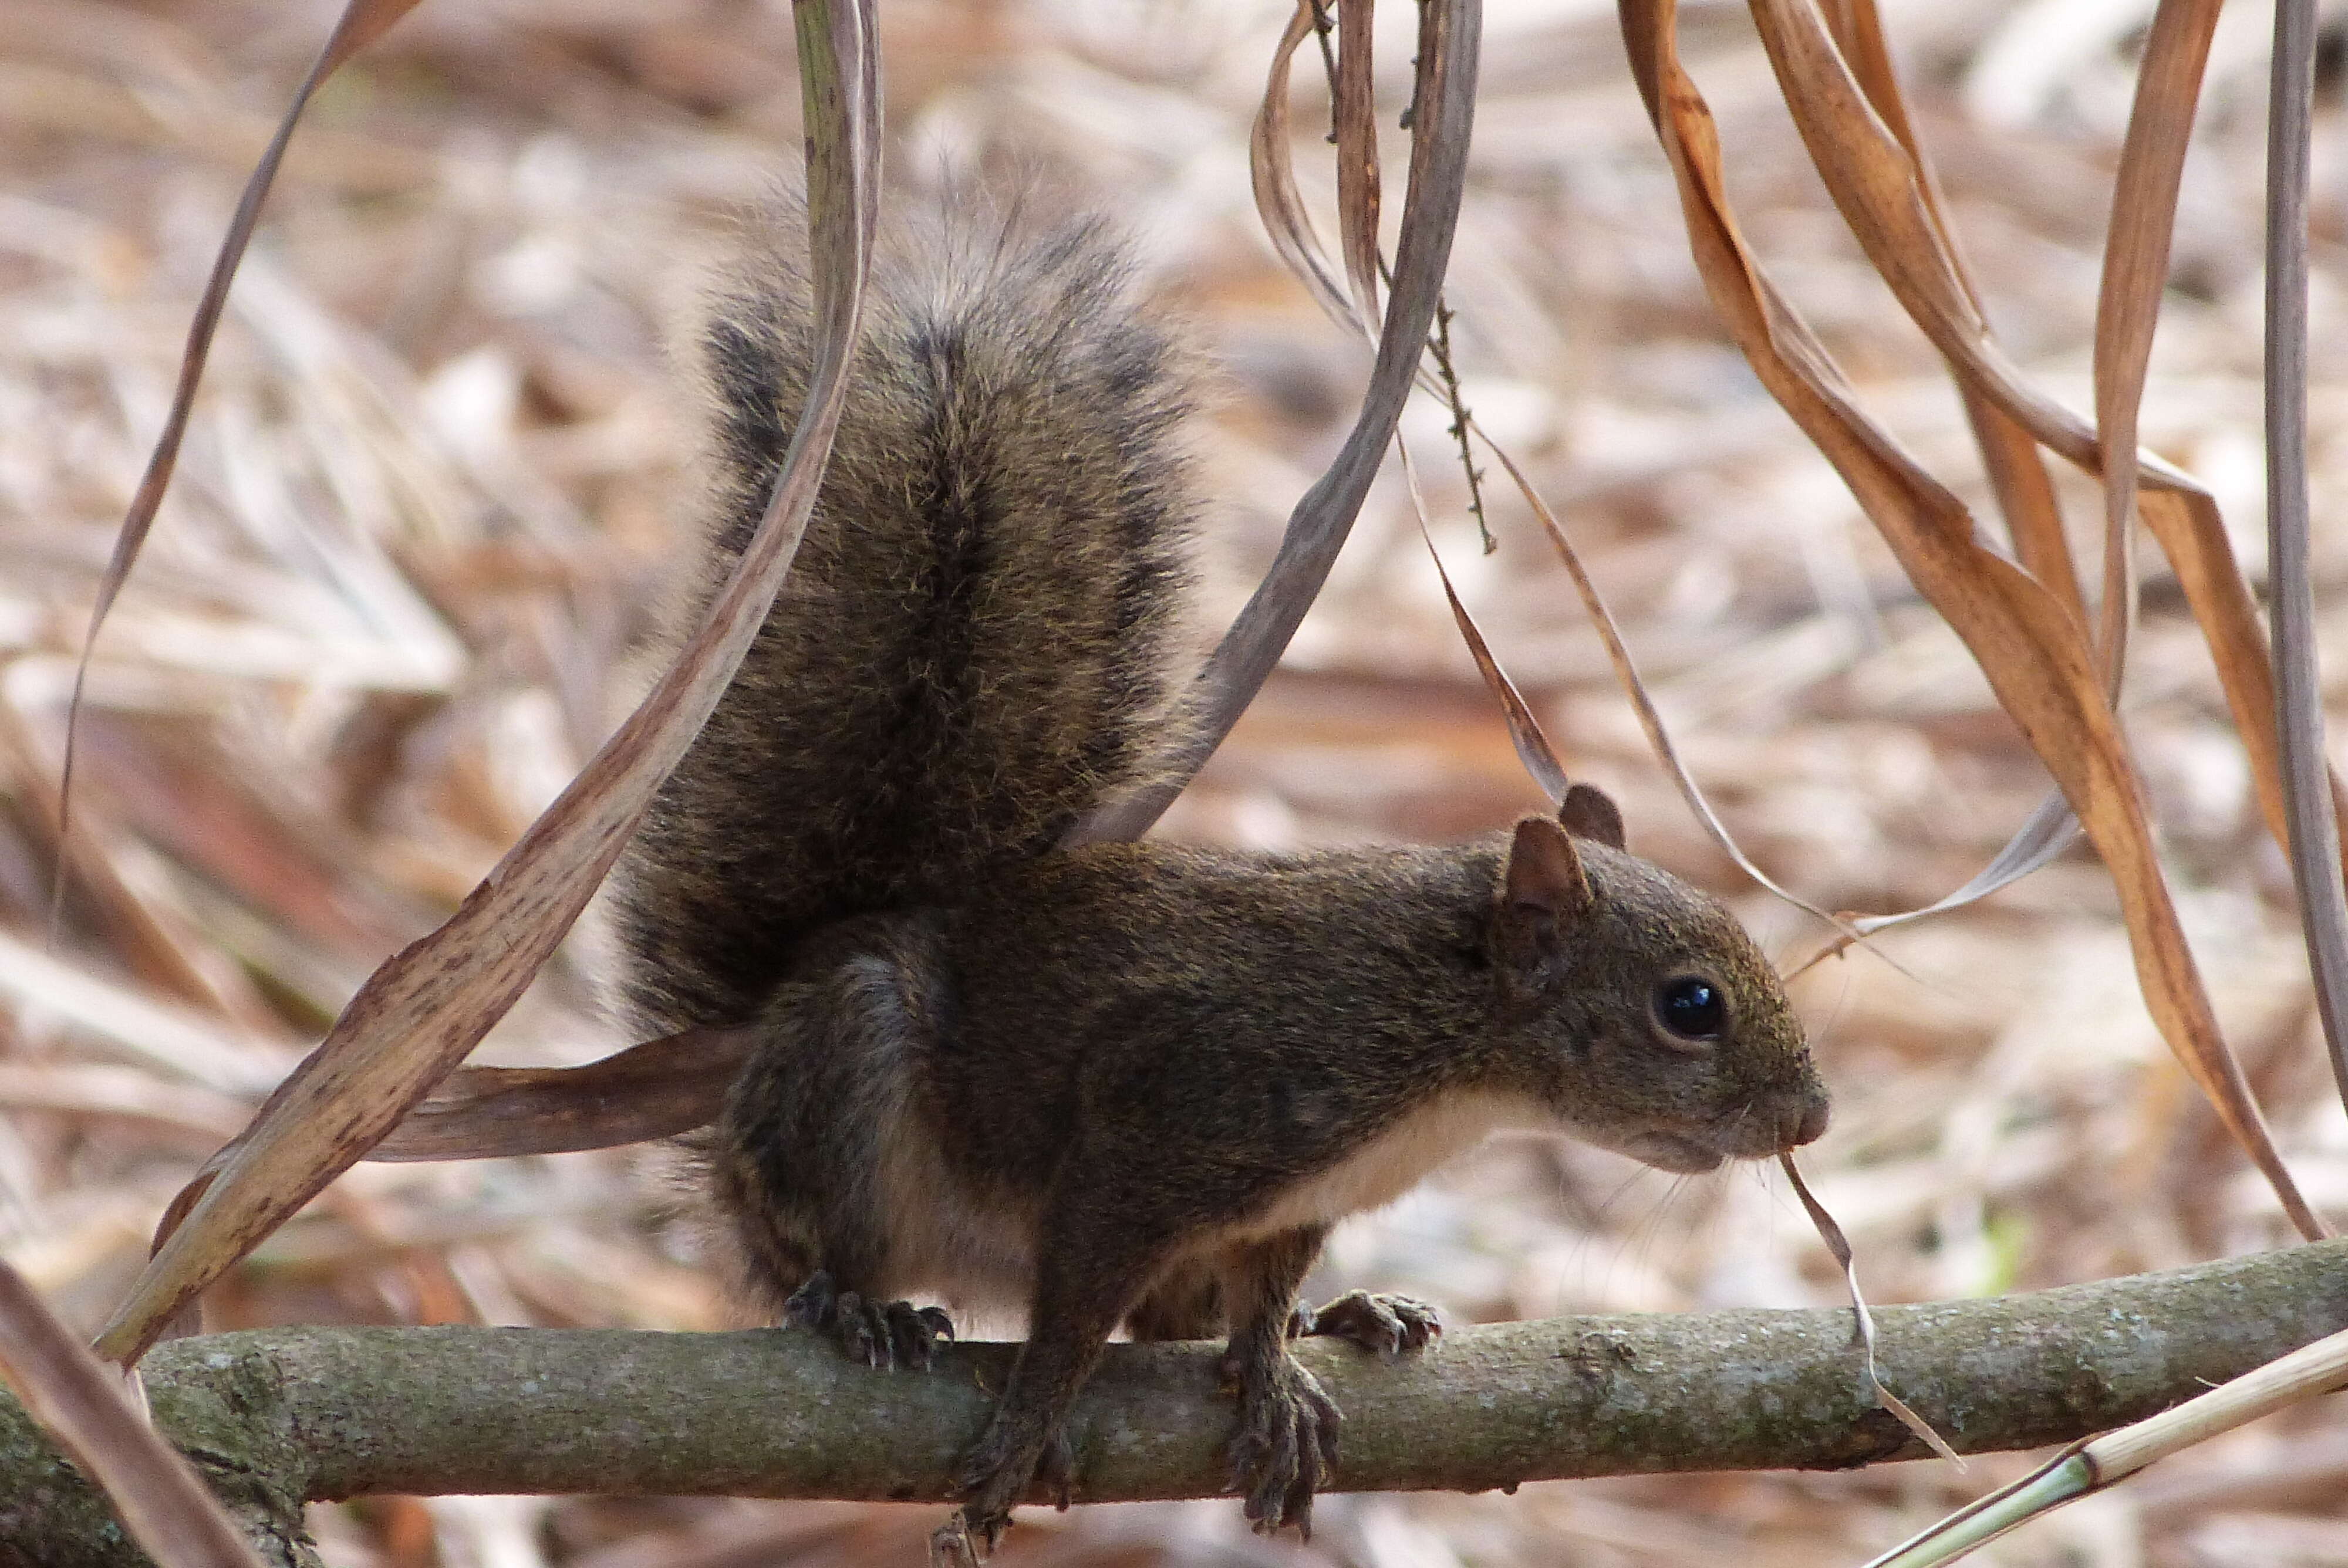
(2042, 837)
(86, 1406)
(2314, 831)
(2030, 647)
(1352, 88)
(1525, 732)
(1626, 674)
(2136, 271)
(1357, 159)
(1284, 219)
(1277, 201)
(2100, 1462)
(361, 23)
(2183, 516)
(418, 1015)
(1876, 183)
(1449, 42)
(656, 1089)
(1864, 1326)
(2015, 466)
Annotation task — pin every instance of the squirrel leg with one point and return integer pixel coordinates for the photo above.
(1287, 1441)
(1089, 1278)
(822, 1099)
(1383, 1325)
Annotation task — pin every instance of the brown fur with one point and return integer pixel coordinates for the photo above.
(972, 645)
(1129, 1083)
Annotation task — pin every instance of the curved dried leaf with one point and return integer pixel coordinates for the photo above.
(2047, 832)
(656, 1089)
(1357, 156)
(1351, 90)
(1525, 732)
(86, 1406)
(1831, 1233)
(1626, 674)
(2016, 468)
(2028, 645)
(2135, 272)
(418, 1015)
(1870, 163)
(1277, 201)
(2314, 839)
(1284, 219)
(1449, 41)
(361, 23)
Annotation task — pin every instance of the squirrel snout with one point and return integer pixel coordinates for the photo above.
(1813, 1124)
(1802, 1116)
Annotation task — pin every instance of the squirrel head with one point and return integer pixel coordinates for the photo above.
(1659, 1029)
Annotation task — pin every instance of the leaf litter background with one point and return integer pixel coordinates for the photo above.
(432, 490)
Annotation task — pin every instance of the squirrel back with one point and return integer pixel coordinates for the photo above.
(974, 643)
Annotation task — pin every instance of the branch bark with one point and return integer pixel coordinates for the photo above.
(273, 1416)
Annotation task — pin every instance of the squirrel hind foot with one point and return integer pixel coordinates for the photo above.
(953, 1543)
(884, 1335)
(1385, 1325)
(993, 1479)
(1286, 1448)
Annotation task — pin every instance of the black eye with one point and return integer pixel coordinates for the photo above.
(1690, 1007)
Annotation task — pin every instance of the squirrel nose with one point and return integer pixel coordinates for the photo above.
(1813, 1123)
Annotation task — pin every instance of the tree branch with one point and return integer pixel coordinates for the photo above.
(282, 1414)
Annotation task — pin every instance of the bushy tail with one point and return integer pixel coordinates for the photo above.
(974, 643)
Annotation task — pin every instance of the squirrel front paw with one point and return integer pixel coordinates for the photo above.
(1384, 1325)
(1287, 1442)
(884, 1335)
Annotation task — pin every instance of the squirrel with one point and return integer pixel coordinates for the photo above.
(1127, 1084)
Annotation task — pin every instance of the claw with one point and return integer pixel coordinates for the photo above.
(1057, 1471)
(915, 1333)
(1286, 1446)
(882, 1335)
(1383, 1325)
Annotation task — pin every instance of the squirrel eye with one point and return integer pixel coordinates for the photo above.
(1691, 1008)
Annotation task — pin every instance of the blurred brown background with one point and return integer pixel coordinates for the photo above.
(430, 492)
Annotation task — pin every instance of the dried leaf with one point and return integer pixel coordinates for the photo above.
(361, 23)
(2026, 641)
(1351, 86)
(1277, 201)
(1525, 732)
(2135, 272)
(1887, 197)
(1449, 40)
(656, 1089)
(1284, 219)
(2314, 839)
(2009, 458)
(1863, 1327)
(86, 1406)
(1626, 672)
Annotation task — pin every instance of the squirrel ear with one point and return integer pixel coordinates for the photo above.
(1546, 884)
(1590, 812)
